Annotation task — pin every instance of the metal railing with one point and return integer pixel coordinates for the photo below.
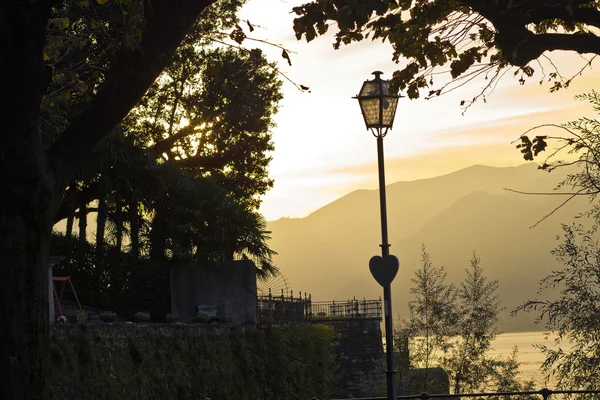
(288, 309)
(283, 309)
(345, 309)
(544, 393)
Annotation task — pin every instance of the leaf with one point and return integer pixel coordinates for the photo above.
(305, 88)
(64, 23)
(250, 26)
(82, 86)
(101, 1)
(237, 35)
(84, 3)
(46, 58)
(539, 144)
(285, 55)
(525, 148)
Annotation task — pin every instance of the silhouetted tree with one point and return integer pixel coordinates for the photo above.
(33, 177)
(576, 145)
(467, 360)
(573, 314)
(432, 315)
(453, 328)
(471, 37)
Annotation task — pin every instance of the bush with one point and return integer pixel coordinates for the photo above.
(113, 280)
(170, 362)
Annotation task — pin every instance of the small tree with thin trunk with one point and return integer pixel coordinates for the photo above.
(432, 315)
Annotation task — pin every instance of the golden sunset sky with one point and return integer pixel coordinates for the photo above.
(322, 148)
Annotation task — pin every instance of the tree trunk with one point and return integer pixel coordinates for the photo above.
(82, 222)
(69, 230)
(101, 225)
(29, 198)
(158, 236)
(119, 221)
(23, 304)
(134, 223)
(69, 204)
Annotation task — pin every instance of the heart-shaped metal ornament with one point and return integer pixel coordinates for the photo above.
(384, 270)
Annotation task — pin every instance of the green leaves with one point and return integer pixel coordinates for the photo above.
(64, 23)
(571, 310)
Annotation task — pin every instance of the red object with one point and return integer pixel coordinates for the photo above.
(65, 280)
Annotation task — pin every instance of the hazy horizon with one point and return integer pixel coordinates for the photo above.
(326, 253)
(405, 181)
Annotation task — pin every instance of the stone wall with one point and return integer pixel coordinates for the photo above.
(229, 285)
(361, 363)
(190, 361)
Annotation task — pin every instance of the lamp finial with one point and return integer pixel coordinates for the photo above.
(377, 74)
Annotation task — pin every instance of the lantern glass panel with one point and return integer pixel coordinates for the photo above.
(389, 111)
(369, 88)
(370, 110)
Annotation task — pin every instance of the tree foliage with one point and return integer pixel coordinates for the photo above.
(432, 313)
(470, 366)
(574, 313)
(577, 147)
(71, 71)
(193, 152)
(470, 37)
(454, 327)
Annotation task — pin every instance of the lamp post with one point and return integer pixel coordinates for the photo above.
(378, 109)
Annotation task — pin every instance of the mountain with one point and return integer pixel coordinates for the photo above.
(327, 252)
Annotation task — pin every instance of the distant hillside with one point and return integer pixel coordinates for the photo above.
(327, 252)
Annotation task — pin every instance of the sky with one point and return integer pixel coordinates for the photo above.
(323, 150)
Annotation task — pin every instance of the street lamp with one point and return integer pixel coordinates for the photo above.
(378, 109)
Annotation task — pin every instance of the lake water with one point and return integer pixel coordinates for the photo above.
(530, 357)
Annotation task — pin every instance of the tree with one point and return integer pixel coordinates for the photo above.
(432, 315)
(228, 99)
(33, 177)
(453, 328)
(467, 361)
(578, 146)
(473, 37)
(573, 313)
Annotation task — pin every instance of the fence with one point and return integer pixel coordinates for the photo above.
(278, 310)
(345, 309)
(283, 309)
(543, 394)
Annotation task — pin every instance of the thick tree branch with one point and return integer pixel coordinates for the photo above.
(522, 46)
(133, 72)
(584, 15)
(533, 47)
(87, 195)
(166, 144)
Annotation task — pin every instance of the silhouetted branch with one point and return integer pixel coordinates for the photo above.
(559, 207)
(578, 193)
(300, 87)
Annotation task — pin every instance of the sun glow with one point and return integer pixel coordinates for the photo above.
(322, 150)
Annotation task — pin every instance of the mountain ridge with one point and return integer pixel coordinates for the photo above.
(326, 253)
